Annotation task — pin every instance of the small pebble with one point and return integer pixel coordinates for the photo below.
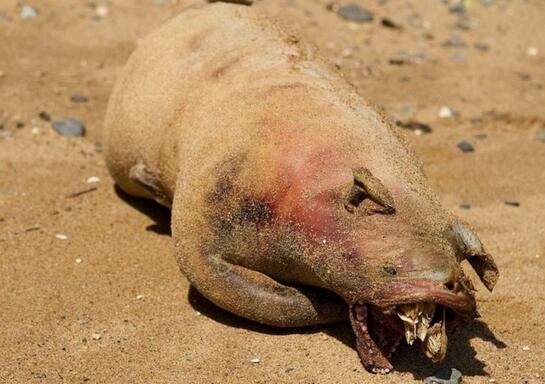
(353, 12)
(465, 206)
(102, 11)
(28, 12)
(96, 336)
(512, 203)
(60, 236)
(488, 3)
(83, 321)
(388, 23)
(2, 74)
(69, 127)
(35, 130)
(140, 297)
(465, 147)
(347, 52)
(526, 348)
(445, 112)
(93, 179)
(445, 375)
(255, 360)
(44, 116)
(480, 136)
(34, 227)
(78, 260)
(77, 98)
(532, 51)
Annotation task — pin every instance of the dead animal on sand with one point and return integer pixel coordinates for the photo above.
(294, 202)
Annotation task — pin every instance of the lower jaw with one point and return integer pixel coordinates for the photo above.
(379, 330)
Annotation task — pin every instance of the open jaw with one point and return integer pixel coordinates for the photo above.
(421, 313)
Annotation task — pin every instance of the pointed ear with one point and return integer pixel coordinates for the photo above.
(367, 186)
(472, 249)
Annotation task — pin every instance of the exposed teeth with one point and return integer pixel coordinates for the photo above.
(416, 319)
(435, 344)
(428, 310)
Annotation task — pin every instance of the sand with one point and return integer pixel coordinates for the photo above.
(89, 288)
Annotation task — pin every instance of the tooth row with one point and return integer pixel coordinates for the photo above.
(416, 319)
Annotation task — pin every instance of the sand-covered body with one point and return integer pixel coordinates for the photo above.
(257, 146)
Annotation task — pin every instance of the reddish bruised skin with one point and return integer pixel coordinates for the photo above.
(293, 201)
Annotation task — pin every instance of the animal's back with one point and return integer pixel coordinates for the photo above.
(186, 87)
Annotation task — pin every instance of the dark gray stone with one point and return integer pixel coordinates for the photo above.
(69, 127)
(353, 12)
(445, 375)
(464, 146)
(512, 203)
(465, 206)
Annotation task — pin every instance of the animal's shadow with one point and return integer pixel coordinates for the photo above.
(159, 214)
(461, 354)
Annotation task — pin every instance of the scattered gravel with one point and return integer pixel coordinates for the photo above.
(465, 147)
(353, 12)
(69, 127)
(445, 375)
(255, 360)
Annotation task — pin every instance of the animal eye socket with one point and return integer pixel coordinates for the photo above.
(390, 269)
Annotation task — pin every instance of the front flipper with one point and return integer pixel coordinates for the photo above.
(255, 296)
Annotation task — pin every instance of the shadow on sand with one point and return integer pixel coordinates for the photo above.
(159, 214)
(461, 354)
